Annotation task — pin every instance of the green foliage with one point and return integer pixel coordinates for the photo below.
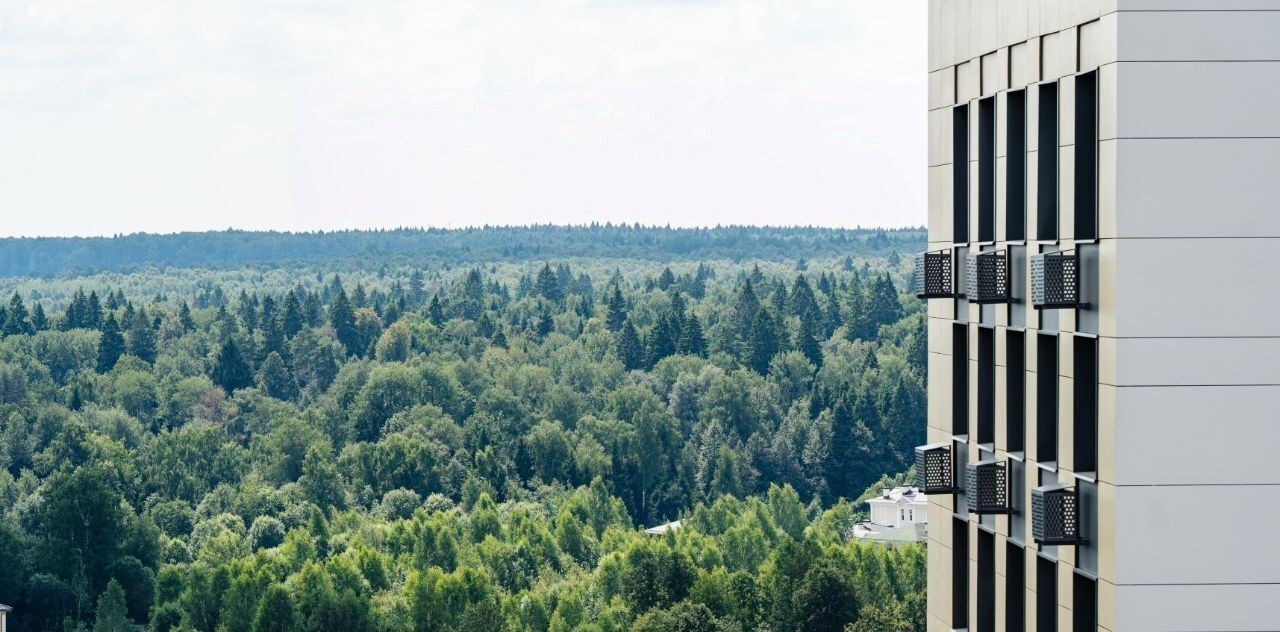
(440, 447)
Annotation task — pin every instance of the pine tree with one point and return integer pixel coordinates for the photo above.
(16, 320)
(548, 285)
(230, 371)
(112, 614)
(666, 279)
(417, 287)
(630, 350)
(884, 306)
(111, 345)
(343, 320)
(93, 310)
(616, 313)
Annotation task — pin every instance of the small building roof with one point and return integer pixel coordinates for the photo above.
(4, 608)
(907, 495)
(916, 532)
(663, 528)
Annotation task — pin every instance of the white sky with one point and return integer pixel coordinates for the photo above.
(146, 115)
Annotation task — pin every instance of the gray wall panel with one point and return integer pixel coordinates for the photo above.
(1197, 99)
(1197, 435)
(1199, 35)
(1251, 608)
(1194, 362)
(1160, 540)
(1197, 187)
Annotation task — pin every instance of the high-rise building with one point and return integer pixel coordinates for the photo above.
(1104, 315)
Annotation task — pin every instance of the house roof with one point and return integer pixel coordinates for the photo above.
(892, 535)
(4, 608)
(908, 495)
(663, 528)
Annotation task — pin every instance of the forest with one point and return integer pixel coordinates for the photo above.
(379, 443)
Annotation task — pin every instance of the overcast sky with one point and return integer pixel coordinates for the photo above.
(140, 115)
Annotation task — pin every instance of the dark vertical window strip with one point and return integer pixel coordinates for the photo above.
(1085, 404)
(960, 379)
(1086, 156)
(1015, 182)
(960, 173)
(986, 385)
(987, 169)
(986, 589)
(1015, 391)
(959, 573)
(1046, 595)
(1084, 606)
(1015, 598)
(1046, 398)
(1047, 163)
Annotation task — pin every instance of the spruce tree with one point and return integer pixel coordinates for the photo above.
(275, 379)
(692, 341)
(762, 345)
(39, 321)
(230, 371)
(16, 321)
(184, 317)
(111, 345)
(292, 320)
(93, 310)
(343, 320)
(548, 285)
(435, 312)
(630, 351)
(807, 340)
(616, 313)
(112, 614)
(142, 338)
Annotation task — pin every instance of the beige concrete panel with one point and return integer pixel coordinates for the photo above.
(1020, 65)
(935, 34)
(1051, 61)
(988, 23)
(939, 336)
(1033, 19)
(941, 308)
(1106, 538)
(1106, 605)
(1107, 301)
(946, 126)
(1033, 189)
(1002, 412)
(935, 89)
(939, 580)
(1097, 42)
(1002, 129)
(964, 30)
(1051, 15)
(1106, 433)
(967, 82)
(940, 204)
(1033, 132)
(935, 118)
(1001, 202)
(991, 72)
(948, 92)
(1014, 14)
(1107, 94)
(947, 38)
(1070, 43)
(1067, 111)
(1107, 172)
(939, 389)
(936, 624)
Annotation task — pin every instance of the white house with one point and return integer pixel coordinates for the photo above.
(900, 506)
(4, 614)
(898, 514)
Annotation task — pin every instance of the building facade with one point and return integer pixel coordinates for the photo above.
(1104, 315)
(898, 507)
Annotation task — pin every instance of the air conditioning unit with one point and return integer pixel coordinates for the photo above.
(935, 469)
(934, 275)
(986, 487)
(1055, 280)
(987, 277)
(1055, 515)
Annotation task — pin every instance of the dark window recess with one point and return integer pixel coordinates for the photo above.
(959, 573)
(1086, 153)
(1047, 164)
(1015, 598)
(1085, 405)
(960, 173)
(960, 379)
(986, 582)
(1046, 595)
(986, 385)
(1084, 607)
(1015, 181)
(1046, 398)
(987, 169)
(1015, 391)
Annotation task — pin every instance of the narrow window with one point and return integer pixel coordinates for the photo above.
(1085, 404)
(960, 379)
(1015, 180)
(1046, 398)
(1015, 391)
(1086, 152)
(1047, 164)
(986, 385)
(1015, 571)
(959, 573)
(987, 169)
(960, 173)
(1084, 606)
(1046, 595)
(986, 582)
